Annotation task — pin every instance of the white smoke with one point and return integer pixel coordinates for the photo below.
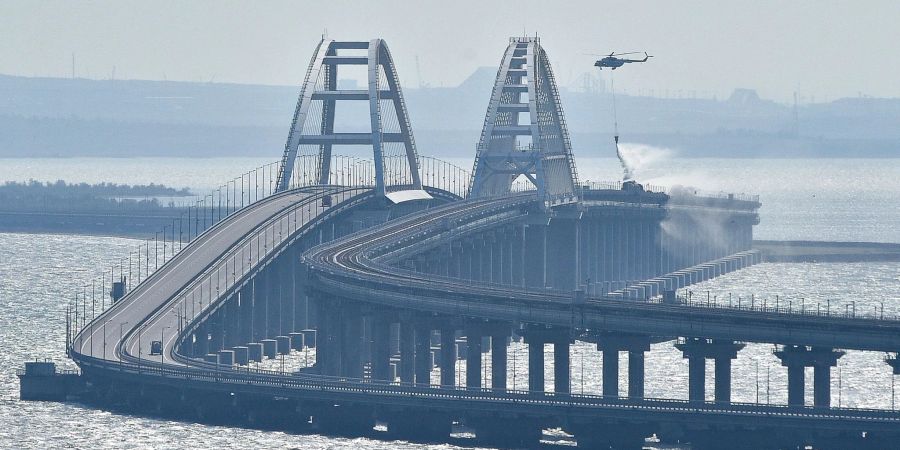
(639, 159)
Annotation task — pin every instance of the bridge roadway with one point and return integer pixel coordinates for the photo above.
(361, 267)
(217, 260)
(358, 266)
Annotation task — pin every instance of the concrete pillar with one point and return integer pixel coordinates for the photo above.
(561, 371)
(448, 357)
(535, 365)
(296, 340)
(796, 358)
(381, 348)
(473, 357)
(822, 385)
(423, 354)
(283, 344)
(636, 374)
(226, 357)
(254, 351)
(723, 379)
(241, 355)
(270, 348)
(610, 372)
(407, 350)
(796, 385)
(498, 360)
(696, 378)
(352, 341)
(697, 351)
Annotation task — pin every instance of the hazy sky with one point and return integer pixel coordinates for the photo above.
(826, 49)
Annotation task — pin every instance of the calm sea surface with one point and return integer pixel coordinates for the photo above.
(833, 199)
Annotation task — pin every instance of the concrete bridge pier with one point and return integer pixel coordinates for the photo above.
(381, 346)
(352, 340)
(422, 331)
(329, 336)
(499, 339)
(636, 345)
(536, 336)
(697, 351)
(407, 347)
(474, 334)
(448, 356)
(796, 358)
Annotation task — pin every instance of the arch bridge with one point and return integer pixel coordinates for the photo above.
(409, 281)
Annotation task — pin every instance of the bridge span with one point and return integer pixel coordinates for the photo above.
(393, 281)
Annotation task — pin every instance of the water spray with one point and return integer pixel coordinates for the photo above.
(627, 174)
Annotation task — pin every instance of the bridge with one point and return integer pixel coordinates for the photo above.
(399, 270)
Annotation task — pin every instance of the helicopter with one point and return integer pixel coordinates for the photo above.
(613, 61)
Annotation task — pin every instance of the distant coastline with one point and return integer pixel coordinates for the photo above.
(54, 117)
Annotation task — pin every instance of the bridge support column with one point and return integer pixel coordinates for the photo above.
(329, 336)
(611, 344)
(474, 334)
(635, 374)
(561, 370)
(351, 342)
(381, 347)
(796, 358)
(697, 351)
(610, 372)
(407, 348)
(535, 363)
(423, 353)
(448, 357)
(498, 358)
(536, 336)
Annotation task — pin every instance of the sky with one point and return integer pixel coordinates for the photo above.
(822, 50)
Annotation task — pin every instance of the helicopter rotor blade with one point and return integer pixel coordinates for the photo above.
(626, 53)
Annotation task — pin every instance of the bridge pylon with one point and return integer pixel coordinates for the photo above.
(525, 134)
(390, 134)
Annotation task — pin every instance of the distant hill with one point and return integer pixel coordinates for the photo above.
(80, 117)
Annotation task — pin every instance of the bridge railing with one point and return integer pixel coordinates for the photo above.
(784, 305)
(196, 216)
(202, 212)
